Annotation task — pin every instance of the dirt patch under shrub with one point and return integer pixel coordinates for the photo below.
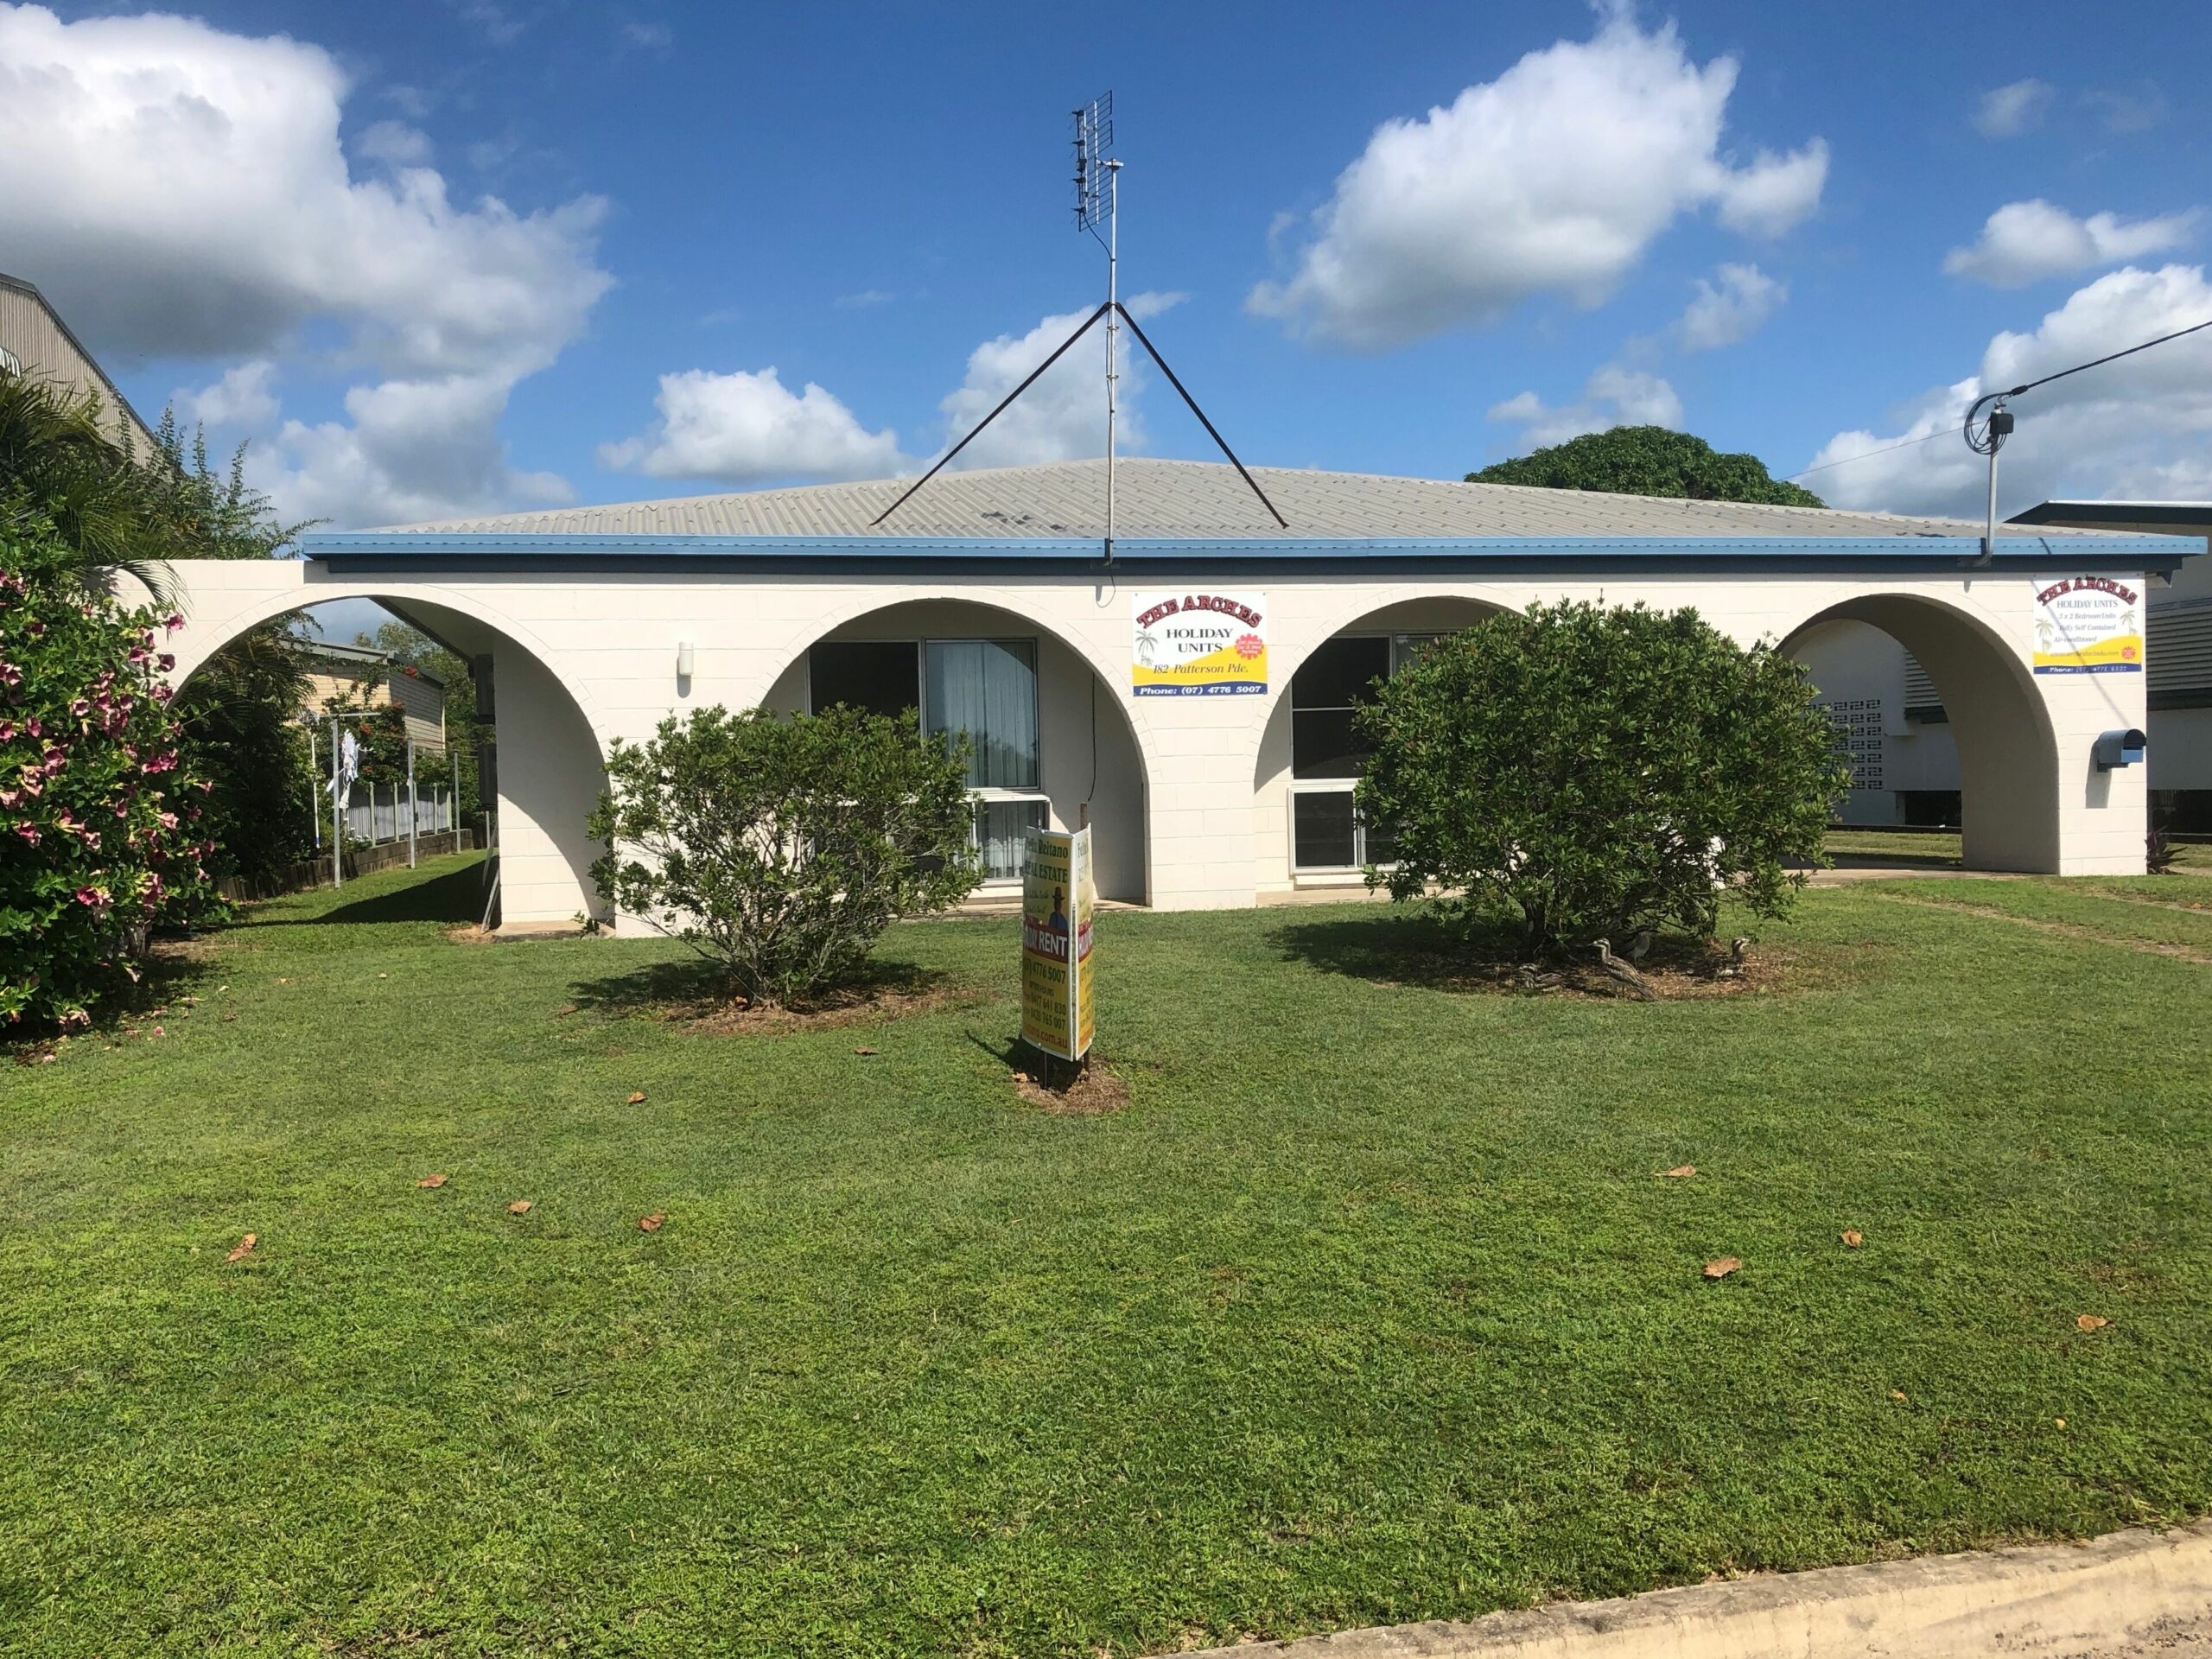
(857, 1005)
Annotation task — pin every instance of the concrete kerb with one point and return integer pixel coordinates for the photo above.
(2056, 1599)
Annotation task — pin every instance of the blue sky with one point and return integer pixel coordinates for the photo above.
(292, 237)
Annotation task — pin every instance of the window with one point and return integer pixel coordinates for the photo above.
(988, 688)
(880, 676)
(985, 687)
(1326, 757)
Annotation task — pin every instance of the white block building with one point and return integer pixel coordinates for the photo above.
(1191, 699)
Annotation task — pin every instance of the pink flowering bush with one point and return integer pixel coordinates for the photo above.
(99, 824)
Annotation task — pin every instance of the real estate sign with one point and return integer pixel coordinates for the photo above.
(2089, 625)
(1058, 896)
(1194, 644)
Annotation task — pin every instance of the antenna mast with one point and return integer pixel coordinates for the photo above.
(1098, 197)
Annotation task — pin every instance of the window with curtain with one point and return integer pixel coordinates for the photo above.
(988, 688)
(985, 687)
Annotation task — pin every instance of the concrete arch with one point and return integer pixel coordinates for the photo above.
(551, 747)
(2007, 748)
(1093, 753)
(1441, 612)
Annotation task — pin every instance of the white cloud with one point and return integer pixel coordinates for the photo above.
(2025, 241)
(395, 143)
(1734, 308)
(2138, 427)
(747, 428)
(184, 192)
(1553, 178)
(240, 400)
(499, 27)
(1614, 396)
(1063, 417)
(648, 35)
(415, 449)
(2009, 110)
(2127, 109)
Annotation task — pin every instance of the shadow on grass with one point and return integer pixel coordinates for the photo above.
(1402, 950)
(696, 992)
(1887, 860)
(456, 896)
(1425, 951)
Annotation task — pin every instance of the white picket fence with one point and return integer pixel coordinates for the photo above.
(378, 812)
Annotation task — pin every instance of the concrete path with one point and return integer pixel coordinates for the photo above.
(2129, 1595)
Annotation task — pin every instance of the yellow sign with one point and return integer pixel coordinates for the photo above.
(1193, 644)
(1057, 896)
(2089, 625)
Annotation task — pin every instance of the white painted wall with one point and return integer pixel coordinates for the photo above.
(607, 644)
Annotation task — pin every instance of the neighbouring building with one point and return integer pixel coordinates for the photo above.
(375, 680)
(36, 342)
(1191, 698)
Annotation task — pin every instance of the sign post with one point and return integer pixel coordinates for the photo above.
(1059, 894)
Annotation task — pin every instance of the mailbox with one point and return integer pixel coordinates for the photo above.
(2116, 749)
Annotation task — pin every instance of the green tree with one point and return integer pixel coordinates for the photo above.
(1647, 461)
(1584, 772)
(65, 478)
(241, 710)
(780, 846)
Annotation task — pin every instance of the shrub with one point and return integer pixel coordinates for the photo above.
(1586, 773)
(99, 832)
(780, 846)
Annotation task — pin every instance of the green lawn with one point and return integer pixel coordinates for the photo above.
(1372, 1305)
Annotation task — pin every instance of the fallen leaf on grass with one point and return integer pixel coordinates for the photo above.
(636, 1098)
(1682, 1171)
(651, 1224)
(2058, 1422)
(244, 1249)
(864, 1051)
(283, 981)
(2092, 1322)
(1852, 1238)
(1897, 1394)
(1721, 1267)
(384, 976)
(519, 1207)
(431, 1180)
(228, 1018)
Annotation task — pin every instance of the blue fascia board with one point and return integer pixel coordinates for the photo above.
(431, 550)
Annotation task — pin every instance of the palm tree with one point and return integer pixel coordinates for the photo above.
(57, 462)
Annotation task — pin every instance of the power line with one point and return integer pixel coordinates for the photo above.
(1868, 455)
(2096, 362)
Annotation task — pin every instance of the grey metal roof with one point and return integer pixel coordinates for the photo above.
(1171, 499)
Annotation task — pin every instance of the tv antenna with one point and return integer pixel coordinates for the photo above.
(1097, 201)
(1098, 196)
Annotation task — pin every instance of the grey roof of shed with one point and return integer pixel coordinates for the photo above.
(1192, 498)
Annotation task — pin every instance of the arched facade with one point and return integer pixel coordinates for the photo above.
(1304, 834)
(1053, 745)
(2007, 751)
(1193, 799)
(550, 753)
